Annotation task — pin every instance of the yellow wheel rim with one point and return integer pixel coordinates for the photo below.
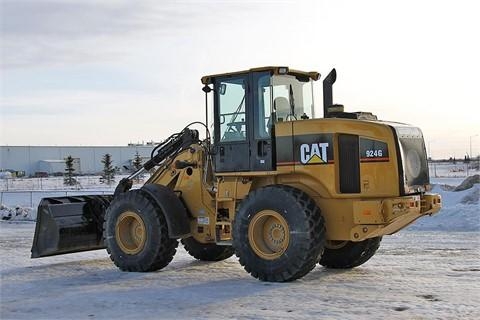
(130, 232)
(268, 234)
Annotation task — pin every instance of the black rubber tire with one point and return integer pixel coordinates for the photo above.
(207, 251)
(351, 255)
(98, 206)
(158, 250)
(306, 233)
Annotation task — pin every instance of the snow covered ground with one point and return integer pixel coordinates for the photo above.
(431, 270)
(414, 275)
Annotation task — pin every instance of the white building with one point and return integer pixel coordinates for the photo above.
(42, 160)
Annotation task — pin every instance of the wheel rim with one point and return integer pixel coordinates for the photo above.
(130, 232)
(268, 234)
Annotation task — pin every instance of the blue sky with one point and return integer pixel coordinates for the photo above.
(116, 71)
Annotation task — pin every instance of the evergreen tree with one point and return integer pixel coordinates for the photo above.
(137, 164)
(137, 161)
(108, 173)
(69, 170)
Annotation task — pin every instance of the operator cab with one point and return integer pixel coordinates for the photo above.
(247, 104)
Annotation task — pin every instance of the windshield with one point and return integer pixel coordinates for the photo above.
(292, 97)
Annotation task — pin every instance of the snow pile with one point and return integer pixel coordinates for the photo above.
(17, 214)
(460, 211)
(5, 175)
(468, 183)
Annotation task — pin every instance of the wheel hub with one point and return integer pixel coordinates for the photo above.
(268, 234)
(130, 232)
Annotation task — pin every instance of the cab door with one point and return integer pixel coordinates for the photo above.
(231, 134)
(243, 123)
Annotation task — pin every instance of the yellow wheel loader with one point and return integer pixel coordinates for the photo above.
(275, 185)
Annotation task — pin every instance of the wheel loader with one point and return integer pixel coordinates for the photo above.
(270, 182)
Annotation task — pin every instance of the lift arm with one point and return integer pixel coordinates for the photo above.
(170, 147)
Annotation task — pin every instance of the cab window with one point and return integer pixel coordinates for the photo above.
(231, 95)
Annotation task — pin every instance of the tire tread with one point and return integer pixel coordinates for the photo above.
(304, 260)
(352, 255)
(163, 251)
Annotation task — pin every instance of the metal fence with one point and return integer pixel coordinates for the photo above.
(27, 192)
(452, 170)
(54, 183)
(32, 198)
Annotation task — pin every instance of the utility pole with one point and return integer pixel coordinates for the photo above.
(470, 154)
(430, 158)
(430, 150)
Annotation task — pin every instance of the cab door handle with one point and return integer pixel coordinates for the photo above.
(262, 148)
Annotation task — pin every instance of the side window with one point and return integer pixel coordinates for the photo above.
(281, 102)
(292, 97)
(231, 98)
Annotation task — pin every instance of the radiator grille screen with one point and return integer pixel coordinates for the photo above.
(349, 163)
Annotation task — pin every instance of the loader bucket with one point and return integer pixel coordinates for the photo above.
(69, 224)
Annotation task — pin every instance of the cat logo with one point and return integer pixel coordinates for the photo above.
(313, 153)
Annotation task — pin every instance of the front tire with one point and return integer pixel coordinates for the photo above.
(207, 251)
(136, 233)
(349, 254)
(278, 233)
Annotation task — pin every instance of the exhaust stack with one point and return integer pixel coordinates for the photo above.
(327, 91)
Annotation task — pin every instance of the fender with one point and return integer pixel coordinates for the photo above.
(175, 213)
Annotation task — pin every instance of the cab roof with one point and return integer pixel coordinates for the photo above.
(275, 70)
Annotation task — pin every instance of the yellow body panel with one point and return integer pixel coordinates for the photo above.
(377, 179)
(378, 209)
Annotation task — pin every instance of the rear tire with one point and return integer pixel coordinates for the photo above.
(350, 254)
(278, 233)
(207, 251)
(136, 233)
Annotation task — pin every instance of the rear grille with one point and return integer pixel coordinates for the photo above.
(414, 163)
(349, 163)
(412, 159)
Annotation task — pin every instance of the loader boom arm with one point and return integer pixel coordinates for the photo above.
(169, 148)
(73, 224)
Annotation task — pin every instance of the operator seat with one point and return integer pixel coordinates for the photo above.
(282, 108)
